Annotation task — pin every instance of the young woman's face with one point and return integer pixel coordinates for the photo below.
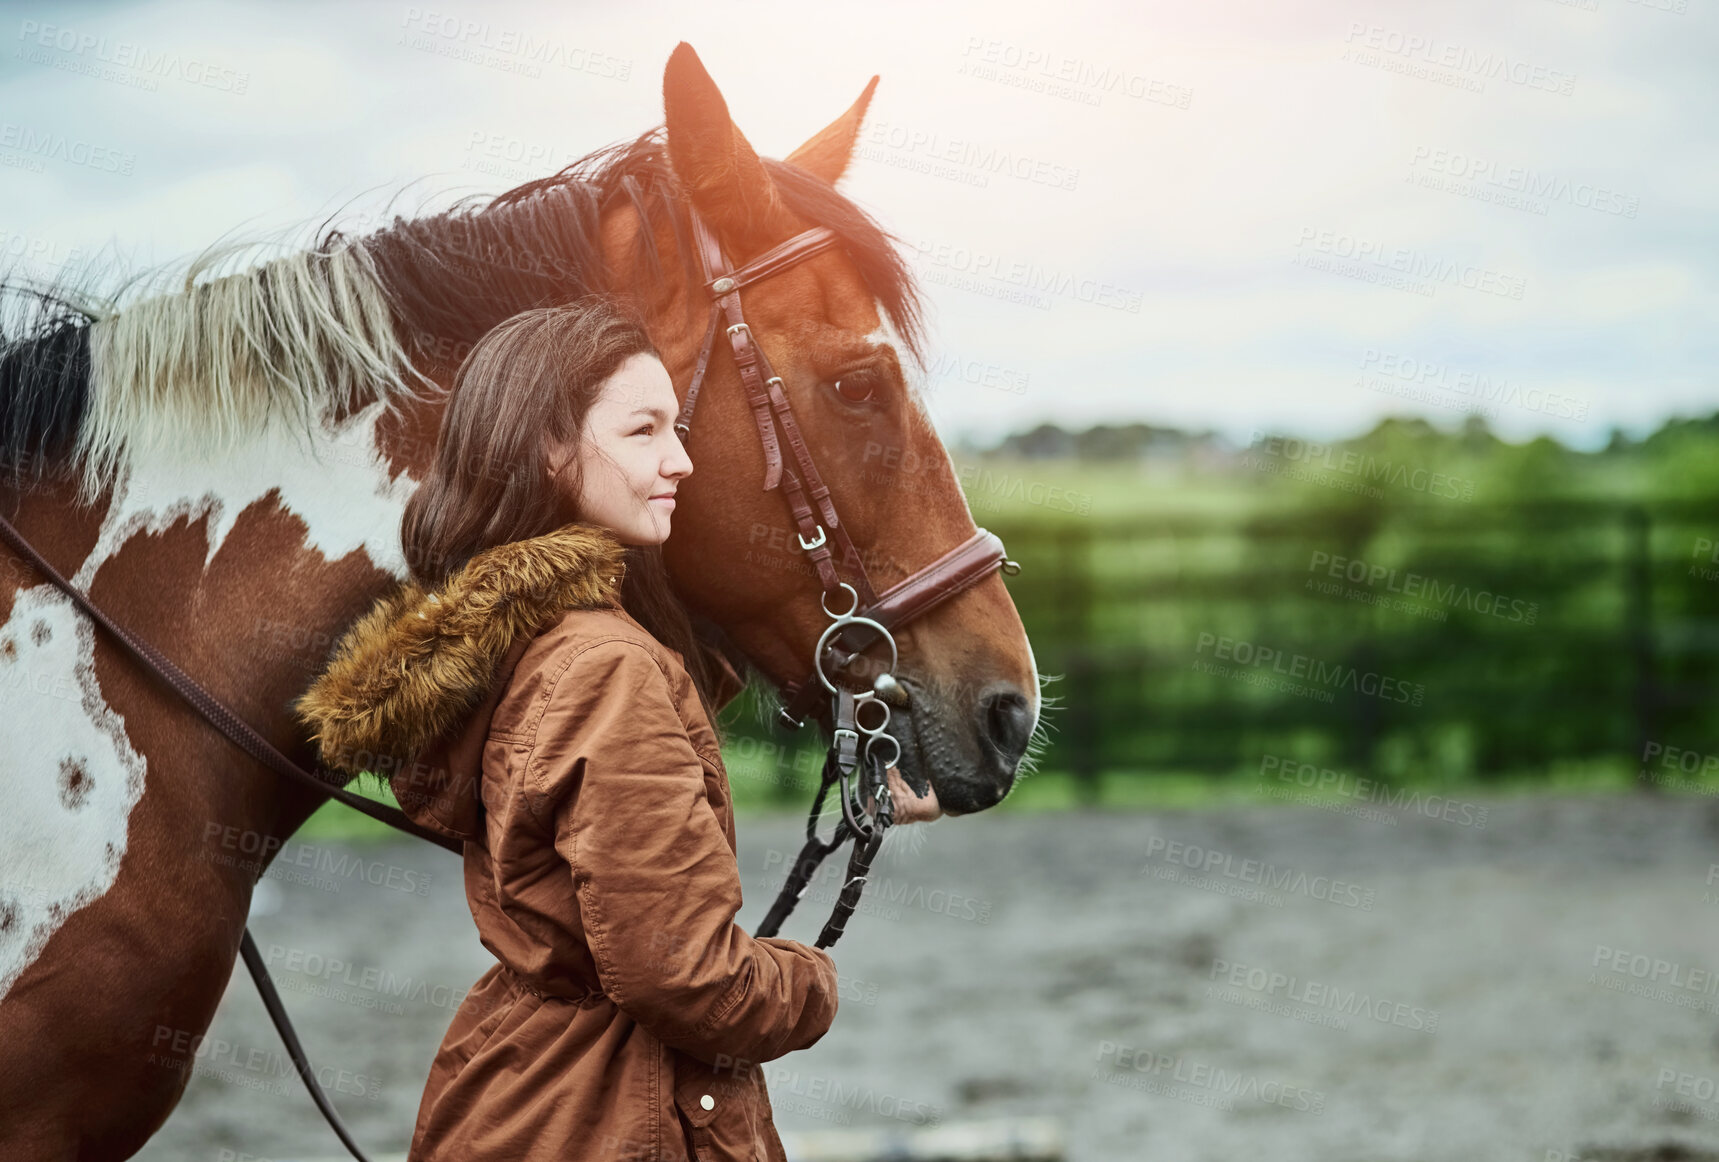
(630, 459)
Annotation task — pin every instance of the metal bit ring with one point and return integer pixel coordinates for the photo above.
(843, 623)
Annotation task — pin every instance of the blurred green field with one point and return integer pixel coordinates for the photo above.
(1134, 569)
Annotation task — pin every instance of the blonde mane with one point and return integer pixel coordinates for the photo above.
(303, 336)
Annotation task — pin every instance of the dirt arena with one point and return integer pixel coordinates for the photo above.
(1524, 979)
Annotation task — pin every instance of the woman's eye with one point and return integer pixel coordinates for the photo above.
(645, 429)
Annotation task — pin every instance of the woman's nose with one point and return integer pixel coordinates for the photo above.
(679, 465)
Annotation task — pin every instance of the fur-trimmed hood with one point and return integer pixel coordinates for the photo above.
(416, 668)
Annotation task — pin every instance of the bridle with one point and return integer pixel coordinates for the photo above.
(859, 721)
(869, 616)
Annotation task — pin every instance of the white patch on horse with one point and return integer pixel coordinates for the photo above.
(918, 386)
(885, 335)
(337, 484)
(74, 776)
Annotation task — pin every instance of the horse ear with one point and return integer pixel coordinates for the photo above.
(714, 162)
(827, 155)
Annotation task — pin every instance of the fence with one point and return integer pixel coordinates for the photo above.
(1403, 644)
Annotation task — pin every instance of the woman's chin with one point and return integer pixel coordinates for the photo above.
(654, 533)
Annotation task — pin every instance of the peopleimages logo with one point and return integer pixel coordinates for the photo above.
(985, 160)
(1320, 995)
(1519, 179)
(1164, 856)
(1059, 75)
(1031, 277)
(987, 488)
(1419, 585)
(974, 371)
(816, 1087)
(337, 975)
(1428, 373)
(1418, 268)
(1333, 675)
(38, 145)
(1117, 1059)
(1688, 772)
(23, 249)
(1324, 779)
(520, 49)
(1462, 61)
(1366, 468)
(1656, 978)
(124, 61)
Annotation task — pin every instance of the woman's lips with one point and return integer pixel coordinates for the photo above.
(666, 501)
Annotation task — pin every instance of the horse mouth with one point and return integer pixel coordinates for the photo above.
(921, 770)
(915, 769)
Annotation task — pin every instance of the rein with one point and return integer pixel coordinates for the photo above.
(860, 721)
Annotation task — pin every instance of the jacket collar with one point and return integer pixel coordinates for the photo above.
(420, 664)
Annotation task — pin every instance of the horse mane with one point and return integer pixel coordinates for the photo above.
(86, 379)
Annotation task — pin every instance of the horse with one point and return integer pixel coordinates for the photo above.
(223, 468)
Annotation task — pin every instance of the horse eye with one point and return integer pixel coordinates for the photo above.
(857, 387)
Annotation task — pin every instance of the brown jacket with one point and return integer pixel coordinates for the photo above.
(520, 709)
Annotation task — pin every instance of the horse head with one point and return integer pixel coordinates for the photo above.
(841, 330)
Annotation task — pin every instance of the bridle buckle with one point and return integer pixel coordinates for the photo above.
(817, 544)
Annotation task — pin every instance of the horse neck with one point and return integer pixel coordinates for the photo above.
(241, 568)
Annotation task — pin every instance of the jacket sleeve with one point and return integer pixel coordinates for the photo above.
(656, 882)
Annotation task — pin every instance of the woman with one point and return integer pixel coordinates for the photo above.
(537, 692)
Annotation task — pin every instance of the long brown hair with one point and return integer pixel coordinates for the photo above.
(530, 380)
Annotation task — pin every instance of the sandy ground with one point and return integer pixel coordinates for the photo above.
(1272, 981)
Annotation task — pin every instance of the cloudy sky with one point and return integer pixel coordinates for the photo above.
(1240, 214)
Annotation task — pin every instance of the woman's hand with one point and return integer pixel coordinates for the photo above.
(908, 807)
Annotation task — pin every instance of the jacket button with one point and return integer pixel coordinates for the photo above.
(707, 1102)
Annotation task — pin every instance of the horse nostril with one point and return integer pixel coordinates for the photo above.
(1007, 723)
